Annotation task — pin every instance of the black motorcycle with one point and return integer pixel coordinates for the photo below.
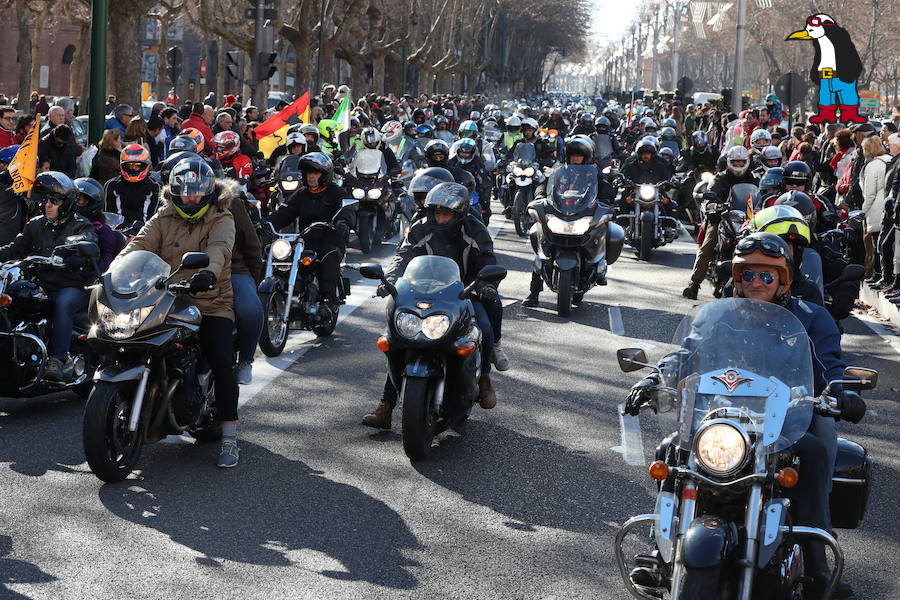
(287, 180)
(432, 345)
(289, 292)
(575, 241)
(646, 227)
(523, 175)
(729, 218)
(26, 315)
(691, 186)
(377, 217)
(152, 380)
(742, 387)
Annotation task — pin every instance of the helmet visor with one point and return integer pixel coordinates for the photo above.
(134, 168)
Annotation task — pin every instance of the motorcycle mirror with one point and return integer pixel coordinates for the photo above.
(710, 196)
(349, 202)
(632, 359)
(492, 273)
(89, 250)
(859, 378)
(851, 272)
(372, 271)
(194, 260)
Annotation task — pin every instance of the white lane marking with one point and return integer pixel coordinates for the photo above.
(616, 325)
(892, 339)
(632, 448)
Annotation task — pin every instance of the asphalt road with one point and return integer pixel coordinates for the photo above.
(524, 504)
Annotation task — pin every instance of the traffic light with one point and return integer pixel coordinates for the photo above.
(266, 65)
(726, 97)
(173, 60)
(233, 64)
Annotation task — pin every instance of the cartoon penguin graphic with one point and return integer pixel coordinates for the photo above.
(835, 69)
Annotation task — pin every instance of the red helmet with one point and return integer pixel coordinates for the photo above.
(195, 135)
(227, 144)
(134, 163)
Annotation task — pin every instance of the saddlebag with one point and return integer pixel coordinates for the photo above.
(615, 240)
(850, 488)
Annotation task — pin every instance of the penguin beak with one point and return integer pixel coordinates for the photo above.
(799, 35)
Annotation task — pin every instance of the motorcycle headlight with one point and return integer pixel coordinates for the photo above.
(435, 326)
(528, 171)
(359, 194)
(281, 249)
(519, 171)
(121, 325)
(562, 227)
(290, 186)
(647, 192)
(408, 324)
(721, 448)
(374, 194)
(707, 177)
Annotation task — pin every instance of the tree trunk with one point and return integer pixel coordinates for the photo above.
(329, 75)
(358, 85)
(124, 24)
(162, 90)
(78, 73)
(23, 48)
(302, 52)
(378, 72)
(36, 36)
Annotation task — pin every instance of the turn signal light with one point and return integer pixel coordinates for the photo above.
(306, 261)
(383, 344)
(658, 470)
(465, 348)
(787, 477)
(629, 200)
(665, 200)
(5, 300)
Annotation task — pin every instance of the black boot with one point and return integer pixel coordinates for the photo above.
(690, 292)
(818, 570)
(536, 286)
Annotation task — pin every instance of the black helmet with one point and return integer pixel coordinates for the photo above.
(57, 188)
(601, 122)
(409, 128)
(797, 172)
(317, 161)
(418, 117)
(467, 179)
(427, 179)
(92, 192)
(771, 181)
(308, 129)
(190, 177)
(802, 203)
(668, 134)
(165, 168)
(354, 123)
(580, 147)
(586, 119)
(182, 143)
(449, 196)
(433, 147)
(699, 139)
(666, 152)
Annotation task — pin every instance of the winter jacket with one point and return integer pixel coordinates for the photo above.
(197, 122)
(169, 236)
(114, 123)
(309, 208)
(872, 181)
(724, 181)
(246, 256)
(106, 240)
(13, 215)
(106, 165)
(40, 238)
(134, 201)
(61, 158)
(658, 170)
(7, 138)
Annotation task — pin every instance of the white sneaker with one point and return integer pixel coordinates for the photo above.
(499, 358)
(245, 373)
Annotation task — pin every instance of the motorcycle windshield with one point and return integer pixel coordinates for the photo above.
(492, 133)
(368, 162)
(113, 219)
(430, 274)
(739, 194)
(744, 355)
(136, 272)
(574, 187)
(524, 152)
(603, 144)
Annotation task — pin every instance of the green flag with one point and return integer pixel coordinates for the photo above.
(342, 116)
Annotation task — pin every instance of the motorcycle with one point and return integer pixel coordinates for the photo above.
(692, 186)
(646, 228)
(432, 345)
(152, 380)
(523, 174)
(378, 216)
(287, 180)
(730, 219)
(26, 313)
(742, 384)
(289, 292)
(574, 240)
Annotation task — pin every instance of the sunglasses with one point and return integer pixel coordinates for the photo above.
(766, 277)
(817, 22)
(55, 200)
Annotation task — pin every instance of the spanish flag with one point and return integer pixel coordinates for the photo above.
(23, 168)
(273, 132)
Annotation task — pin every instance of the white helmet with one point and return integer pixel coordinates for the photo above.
(529, 122)
(295, 137)
(648, 122)
(734, 155)
(513, 121)
(760, 138)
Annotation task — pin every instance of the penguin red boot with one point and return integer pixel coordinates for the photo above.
(826, 114)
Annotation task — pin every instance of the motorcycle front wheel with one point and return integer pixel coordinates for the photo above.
(112, 450)
(418, 418)
(700, 584)
(275, 330)
(365, 229)
(645, 244)
(564, 293)
(520, 215)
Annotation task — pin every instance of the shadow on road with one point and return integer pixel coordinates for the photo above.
(17, 571)
(264, 512)
(41, 434)
(532, 481)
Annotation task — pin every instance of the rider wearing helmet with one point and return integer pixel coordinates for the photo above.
(408, 146)
(512, 133)
(89, 205)
(469, 159)
(235, 165)
(371, 139)
(771, 186)
(645, 165)
(448, 230)
(585, 125)
(423, 182)
(311, 133)
(195, 216)
(133, 194)
(768, 158)
(542, 150)
(605, 142)
(319, 199)
(787, 223)
(737, 170)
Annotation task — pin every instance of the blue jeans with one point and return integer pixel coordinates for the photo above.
(834, 91)
(66, 302)
(248, 314)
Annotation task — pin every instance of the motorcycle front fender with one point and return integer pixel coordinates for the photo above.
(647, 216)
(707, 542)
(424, 367)
(566, 261)
(116, 374)
(269, 285)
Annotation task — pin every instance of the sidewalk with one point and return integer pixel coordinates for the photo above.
(876, 300)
